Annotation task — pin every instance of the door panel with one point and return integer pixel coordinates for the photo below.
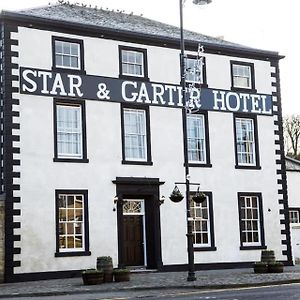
(133, 240)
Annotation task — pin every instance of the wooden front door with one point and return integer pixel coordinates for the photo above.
(133, 240)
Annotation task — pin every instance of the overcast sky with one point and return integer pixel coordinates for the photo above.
(264, 24)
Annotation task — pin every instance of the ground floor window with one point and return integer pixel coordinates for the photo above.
(251, 220)
(294, 216)
(201, 220)
(71, 221)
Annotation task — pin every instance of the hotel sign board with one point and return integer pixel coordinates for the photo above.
(90, 87)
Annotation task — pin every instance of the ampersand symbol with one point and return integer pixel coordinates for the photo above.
(103, 92)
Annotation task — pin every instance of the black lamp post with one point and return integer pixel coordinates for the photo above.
(191, 266)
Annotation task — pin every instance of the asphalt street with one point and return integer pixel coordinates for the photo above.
(280, 292)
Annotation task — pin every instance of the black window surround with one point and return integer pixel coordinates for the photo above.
(148, 161)
(81, 70)
(204, 83)
(261, 220)
(211, 225)
(145, 63)
(80, 103)
(207, 164)
(257, 160)
(239, 89)
(86, 251)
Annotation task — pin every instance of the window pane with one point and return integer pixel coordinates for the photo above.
(67, 55)
(69, 131)
(132, 63)
(241, 76)
(135, 134)
(70, 222)
(196, 138)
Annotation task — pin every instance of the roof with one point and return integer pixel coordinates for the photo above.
(292, 164)
(120, 21)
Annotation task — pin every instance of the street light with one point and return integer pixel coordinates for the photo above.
(191, 266)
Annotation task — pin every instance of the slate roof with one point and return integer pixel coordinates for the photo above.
(123, 22)
(292, 164)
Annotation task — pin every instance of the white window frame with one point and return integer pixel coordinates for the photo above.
(239, 72)
(142, 136)
(69, 131)
(197, 211)
(200, 141)
(294, 215)
(126, 52)
(70, 55)
(249, 143)
(74, 223)
(250, 220)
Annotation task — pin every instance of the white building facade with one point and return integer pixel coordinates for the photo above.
(92, 139)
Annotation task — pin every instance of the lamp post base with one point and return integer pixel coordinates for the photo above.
(191, 276)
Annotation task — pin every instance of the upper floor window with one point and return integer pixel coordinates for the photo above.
(242, 75)
(69, 131)
(246, 142)
(196, 138)
(251, 220)
(67, 53)
(201, 220)
(195, 70)
(71, 223)
(133, 62)
(294, 216)
(136, 140)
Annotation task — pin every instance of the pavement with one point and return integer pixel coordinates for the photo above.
(208, 279)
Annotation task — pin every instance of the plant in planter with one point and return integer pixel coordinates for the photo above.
(260, 267)
(105, 263)
(199, 197)
(176, 195)
(92, 276)
(121, 275)
(268, 256)
(275, 267)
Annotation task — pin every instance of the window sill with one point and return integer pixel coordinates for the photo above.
(195, 165)
(196, 249)
(71, 160)
(244, 90)
(248, 167)
(74, 253)
(132, 77)
(69, 71)
(252, 247)
(134, 162)
(197, 85)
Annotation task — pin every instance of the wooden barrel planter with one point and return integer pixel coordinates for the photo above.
(92, 276)
(260, 267)
(267, 256)
(275, 267)
(105, 264)
(121, 275)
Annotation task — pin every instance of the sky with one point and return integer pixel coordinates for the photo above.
(264, 24)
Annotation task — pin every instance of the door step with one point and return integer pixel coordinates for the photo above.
(141, 270)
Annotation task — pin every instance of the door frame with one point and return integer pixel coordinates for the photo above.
(147, 189)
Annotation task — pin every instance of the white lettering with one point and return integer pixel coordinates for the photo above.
(264, 106)
(255, 103)
(158, 94)
(58, 84)
(171, 89)
(219, 100)
(134, 95)
(45, 75)
(75, 86)
(143, 93)
(237, 100)
(180, 97)
(33, 87)
(244, 98)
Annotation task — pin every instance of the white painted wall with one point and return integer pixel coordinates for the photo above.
(40, 176)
